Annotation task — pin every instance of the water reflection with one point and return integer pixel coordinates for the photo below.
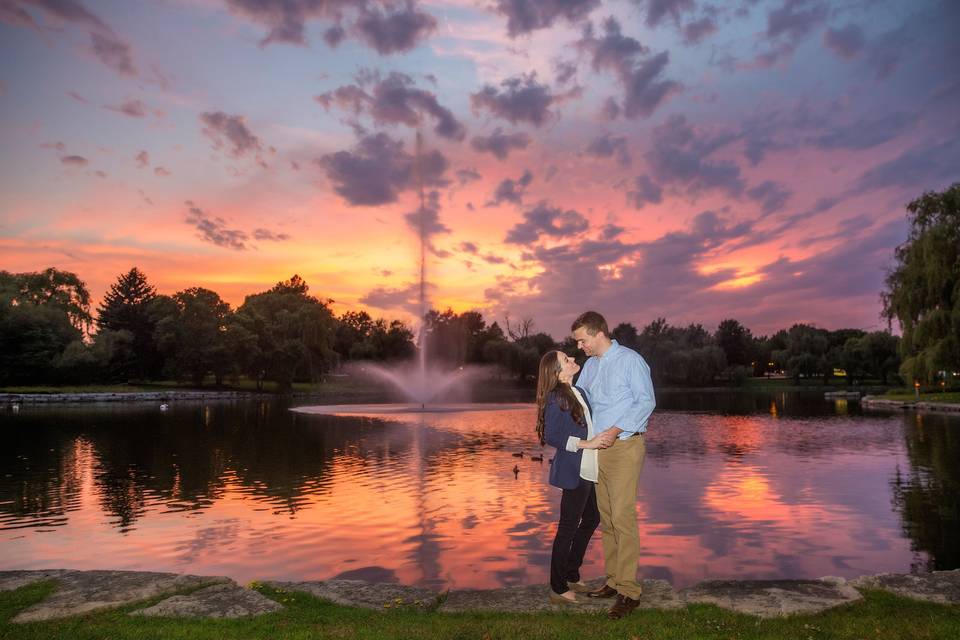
(756, 487)
(926, 491)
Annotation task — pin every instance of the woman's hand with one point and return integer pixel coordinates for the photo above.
(597, 442)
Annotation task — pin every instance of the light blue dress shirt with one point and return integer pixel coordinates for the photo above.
(619, 389)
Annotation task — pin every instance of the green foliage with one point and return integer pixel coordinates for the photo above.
(102, 360)
(196, 335)
(805, 352)
(40, 314)
(360, 337)
(872, 355)
(293, 334)
(923, 289)
(127, 306)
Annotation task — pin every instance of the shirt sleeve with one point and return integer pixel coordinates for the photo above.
(635, 417)
(572, 442)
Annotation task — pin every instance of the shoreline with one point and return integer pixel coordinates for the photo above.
(921, 406)
(363, 395)
(84, 592)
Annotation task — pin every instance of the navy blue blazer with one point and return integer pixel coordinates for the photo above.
(558, 426)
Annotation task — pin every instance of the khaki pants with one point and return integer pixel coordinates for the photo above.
(620, 467)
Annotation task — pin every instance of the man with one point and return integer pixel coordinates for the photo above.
(620, 391)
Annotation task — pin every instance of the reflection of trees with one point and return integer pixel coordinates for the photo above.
(183, 459)
(44, 473)
(928, 494)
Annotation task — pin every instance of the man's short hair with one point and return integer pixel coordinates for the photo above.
(592, 322)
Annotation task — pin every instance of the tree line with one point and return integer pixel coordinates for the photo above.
(48, 334)
(284, 334)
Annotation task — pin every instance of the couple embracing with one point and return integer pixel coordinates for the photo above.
(597, 428)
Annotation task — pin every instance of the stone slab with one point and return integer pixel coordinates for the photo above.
(773, 598)
(938, 586)
(84, 591)
(657, 594)
(227, 600)
(358, 593)
(11, 580)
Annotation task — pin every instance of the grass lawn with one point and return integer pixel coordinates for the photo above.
(879, 616)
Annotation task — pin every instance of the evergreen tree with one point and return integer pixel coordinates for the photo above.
(126, 307)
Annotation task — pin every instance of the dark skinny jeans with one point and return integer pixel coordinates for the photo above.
(579, 518)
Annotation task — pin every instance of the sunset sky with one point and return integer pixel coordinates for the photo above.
(678, 158)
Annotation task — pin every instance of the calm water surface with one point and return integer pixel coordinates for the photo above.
(746, 485)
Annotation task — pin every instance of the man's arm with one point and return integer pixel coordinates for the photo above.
(641, 388)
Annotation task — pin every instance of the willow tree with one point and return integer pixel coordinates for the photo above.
(923, 289)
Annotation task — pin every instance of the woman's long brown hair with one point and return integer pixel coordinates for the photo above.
(548, 380)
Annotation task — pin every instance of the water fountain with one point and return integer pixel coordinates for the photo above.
(421, 384)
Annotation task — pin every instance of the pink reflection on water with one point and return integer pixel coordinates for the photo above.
(720, 497)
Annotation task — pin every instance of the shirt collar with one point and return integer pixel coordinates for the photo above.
(614, 345)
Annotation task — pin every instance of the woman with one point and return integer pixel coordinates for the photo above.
(563, 422)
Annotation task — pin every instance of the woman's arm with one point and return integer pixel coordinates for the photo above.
(556, 436)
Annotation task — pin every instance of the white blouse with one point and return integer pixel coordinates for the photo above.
(589, 463)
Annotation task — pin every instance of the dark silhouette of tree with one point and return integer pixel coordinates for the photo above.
(194, 337)
(126, 307)
(40, 314)
(923, 288)
(294, 334)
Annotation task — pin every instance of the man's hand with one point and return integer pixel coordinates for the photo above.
(607, 438)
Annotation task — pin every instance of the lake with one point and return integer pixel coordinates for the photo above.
(736, 485)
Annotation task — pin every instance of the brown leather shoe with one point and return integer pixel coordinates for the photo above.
(623, 606)
(606, 591)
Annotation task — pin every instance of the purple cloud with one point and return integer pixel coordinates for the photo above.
(680, 156)
(467, 175)
(866, 132)
(500, 144)
(269, 236)
(394, 30)
(645, 191)
(658, 10)
(544, 220)
(132, 108)
(929, 165)
(106, 45)
(74, 161)
(771, 195)
(427, 218)
(391, 27)
(519, 99)
(639, 76)
(142, 159)
(609, 146)
(565, 70)
(113, 52)
(223, 130)
(510, 190)
(847, 42)
(788, 25)
(524, 16)
(378, 170)
(697, 30)
(214, 230)
(395, 100)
